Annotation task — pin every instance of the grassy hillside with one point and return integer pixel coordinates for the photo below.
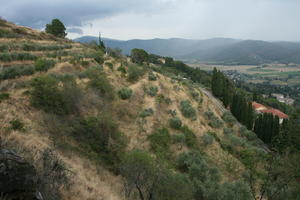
(94, 111)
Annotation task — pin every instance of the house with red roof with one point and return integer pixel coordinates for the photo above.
(260, 108)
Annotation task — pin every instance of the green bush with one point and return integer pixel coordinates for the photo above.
(122, 69)
(46, 94)
(187, 159)
(8, 57)
(43, 64)
(229, 118)
(190, 137)
(152, 76)
(151, 91)
(139, 56)
(134, 73)
(100, 83)
(4, 96)
(146, 113)
(215, 122)
(236, 141)
(228, 131)
(110, 65)
(187, 110)
(125, 93)
(178, 138)
(208, 139)
(160, 141)
(16, 71)
(98, 57)
(101, 135)
(175, 123)
(16, 124)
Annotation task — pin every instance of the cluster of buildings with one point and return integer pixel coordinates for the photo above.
(282, 99)
(259, 108)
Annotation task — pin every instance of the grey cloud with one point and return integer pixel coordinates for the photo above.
(36, 13)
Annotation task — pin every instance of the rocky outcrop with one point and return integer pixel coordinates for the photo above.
(17, 177)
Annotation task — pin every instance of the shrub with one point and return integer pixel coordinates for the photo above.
(100, 83)
(139, 56)
(187, 110)
(215, 122)
(43, 64)
(56, 28)
(16, 124)
(110, 65)
(122, 69)
(101, 135)
(16, 71)
(178, 138)
(236, 141)
(207, 139)
(47, 95)
(125, 93)
(146, 113)
(8, 57)
(134, 73)
(229, 118)
(4, 96)
(190, 137)
(228, 131)
(152, 76)
(175, 123)
(160, 141)
(98, 57)
(187, 159)
(151, 91)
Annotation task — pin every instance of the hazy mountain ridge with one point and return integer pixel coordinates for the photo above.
(215, 50)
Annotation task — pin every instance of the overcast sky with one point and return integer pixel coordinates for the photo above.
(144, 19)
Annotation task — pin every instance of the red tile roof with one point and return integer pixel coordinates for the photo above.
(261, 108)
(276, 112)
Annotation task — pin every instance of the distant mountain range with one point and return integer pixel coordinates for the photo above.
(216, 50)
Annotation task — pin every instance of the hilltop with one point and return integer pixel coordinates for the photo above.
(216, 50)
(103, 118)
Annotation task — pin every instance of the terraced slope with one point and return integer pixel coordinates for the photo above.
(64, 97)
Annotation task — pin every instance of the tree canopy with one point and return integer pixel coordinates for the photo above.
(56, 28)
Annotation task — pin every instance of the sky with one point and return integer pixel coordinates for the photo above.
(270, 20)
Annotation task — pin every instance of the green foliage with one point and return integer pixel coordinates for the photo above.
(190, 137)
(151, 91)
(110, 65)
(160, 141)
(187, 159)
(228, 131)
(43, 64)
(101, 135)
(214, 121)
(146, 113)
(98, 57)
(178, 138)
(122, 69)
(56, 28)
(152, 76)
(3, 96)
(134, 73)
(16, 71)
(139, 56)
(187, 110)
(267, 127)
(229, 118)
(175, 123)
(8, 57)
(208, 139)
(17, 124)
(46, 94)
(100, 83)
(146, 179)
(125, 93)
